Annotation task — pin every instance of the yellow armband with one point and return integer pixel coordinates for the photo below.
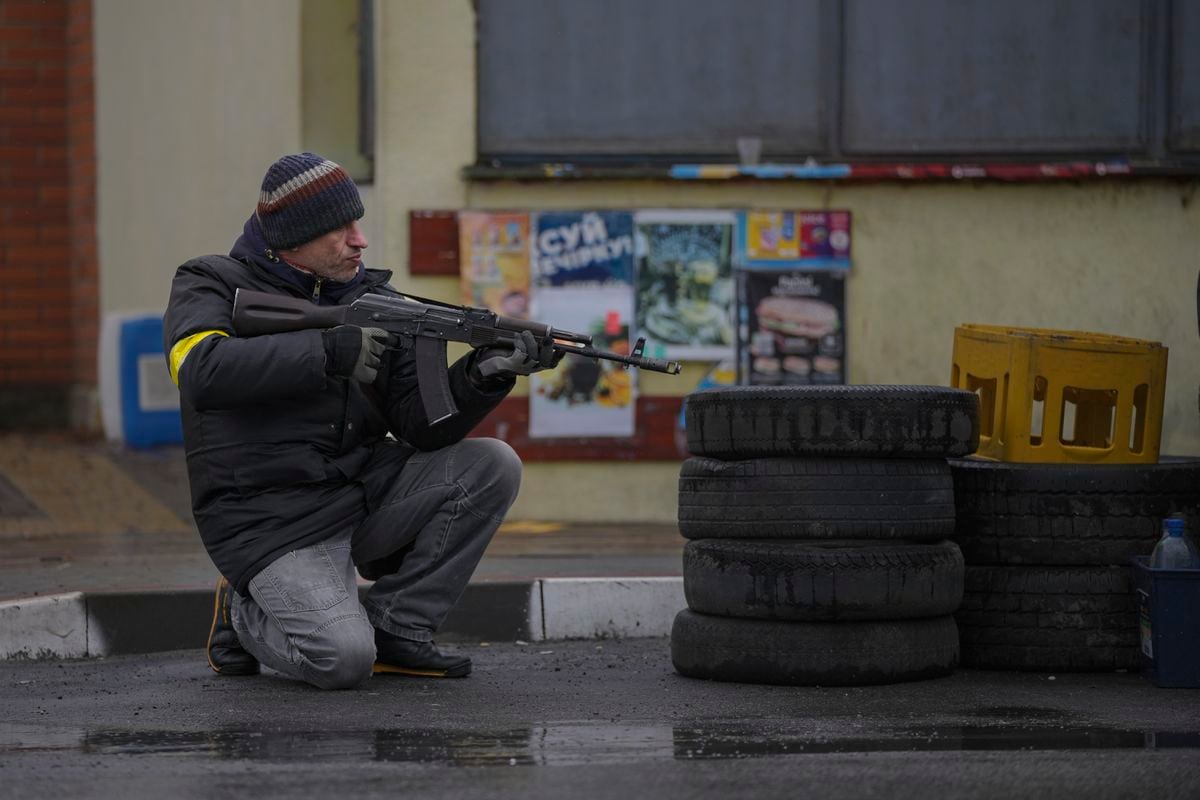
(184, 346)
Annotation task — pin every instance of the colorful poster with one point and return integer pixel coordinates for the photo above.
(685, 290)
(575, 248)
(771, 235)
(494, 261)
(785, 239)
(792, 329)
(583, 396)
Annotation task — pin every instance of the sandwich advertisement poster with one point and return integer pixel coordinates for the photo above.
(792, 330)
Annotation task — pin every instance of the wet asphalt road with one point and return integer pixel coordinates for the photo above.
(584, 719)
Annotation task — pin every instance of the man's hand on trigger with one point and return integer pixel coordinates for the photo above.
(354, 352)
(526, 356)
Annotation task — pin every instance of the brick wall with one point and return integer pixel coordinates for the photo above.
(48, 290)
(81, 201)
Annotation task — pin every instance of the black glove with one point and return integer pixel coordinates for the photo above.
(354, 352)
(502, 362)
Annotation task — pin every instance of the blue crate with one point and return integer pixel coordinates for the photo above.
(1168, 603)
(139, 402)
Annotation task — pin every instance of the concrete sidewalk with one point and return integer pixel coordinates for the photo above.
(99, 557)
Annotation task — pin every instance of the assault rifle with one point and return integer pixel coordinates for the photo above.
(426, 326)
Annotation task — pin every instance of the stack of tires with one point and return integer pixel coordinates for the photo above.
(1047, 548)
(818, 523)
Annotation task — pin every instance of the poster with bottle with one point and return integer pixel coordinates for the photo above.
(494, 261)
(789, 238)
(582, 248)
(792, 327)
(583, 396)
(684, 282)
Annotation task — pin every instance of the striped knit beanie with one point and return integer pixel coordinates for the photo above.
(304, 196)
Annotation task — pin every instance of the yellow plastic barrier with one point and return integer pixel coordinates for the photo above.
(1050, 396)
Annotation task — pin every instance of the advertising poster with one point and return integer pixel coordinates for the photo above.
(813, 239)
(793, 327)
(494, 261)
(684, 281)
(581, 396)
(582, 248)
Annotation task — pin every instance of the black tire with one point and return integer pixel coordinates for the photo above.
(1049, 619)
(832, 498)
(822, 581)
(867, 421)
(812, 653)
(1068, 514)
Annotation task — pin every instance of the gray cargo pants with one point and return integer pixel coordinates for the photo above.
(303, 616)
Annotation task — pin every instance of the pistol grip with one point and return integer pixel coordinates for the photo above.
(432, 379)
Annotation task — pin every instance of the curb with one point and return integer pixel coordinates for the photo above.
(97, 624)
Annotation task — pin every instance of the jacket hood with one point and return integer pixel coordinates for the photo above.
(251, 248)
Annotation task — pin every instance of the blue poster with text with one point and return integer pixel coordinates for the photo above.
(573, 248)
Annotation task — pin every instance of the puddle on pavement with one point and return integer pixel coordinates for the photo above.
(569, 744)
(702, 744)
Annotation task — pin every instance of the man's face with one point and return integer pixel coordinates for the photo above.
(336, 255)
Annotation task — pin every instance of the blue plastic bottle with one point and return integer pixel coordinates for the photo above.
(1175, 550)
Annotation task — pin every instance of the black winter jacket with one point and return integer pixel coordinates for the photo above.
(281, 455)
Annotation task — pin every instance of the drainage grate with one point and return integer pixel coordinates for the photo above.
(14, 503)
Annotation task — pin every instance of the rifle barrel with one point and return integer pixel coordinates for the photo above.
(652, 364)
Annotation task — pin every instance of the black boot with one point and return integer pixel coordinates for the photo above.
(225, 653)
(397, 656)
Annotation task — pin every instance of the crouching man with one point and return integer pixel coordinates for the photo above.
(295, 482)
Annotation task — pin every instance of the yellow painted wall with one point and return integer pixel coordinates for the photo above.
(193, 101)
(330, 83)
(191, 112)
